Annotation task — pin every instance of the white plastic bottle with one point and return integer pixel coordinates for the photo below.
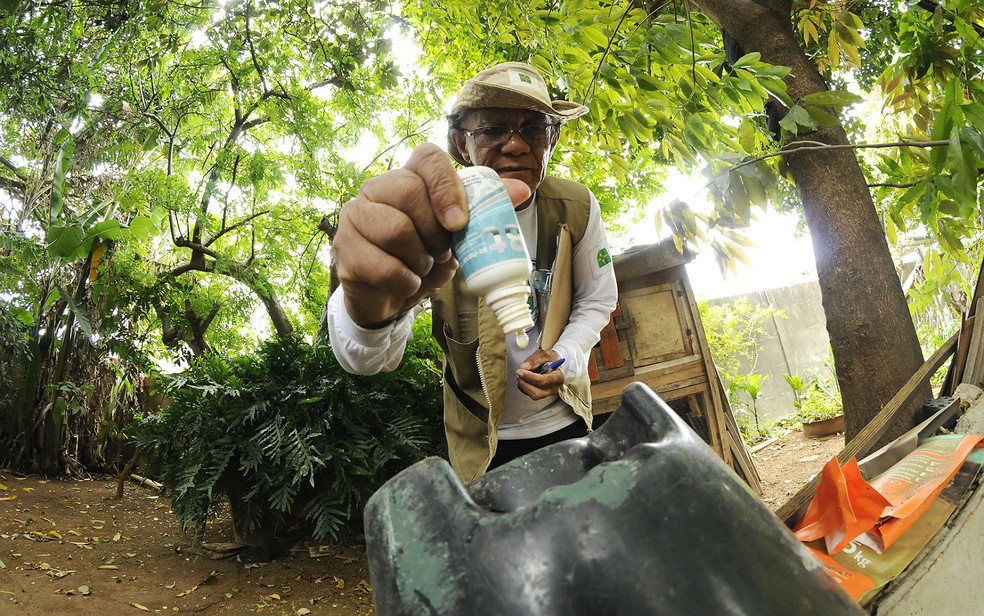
(492, 253)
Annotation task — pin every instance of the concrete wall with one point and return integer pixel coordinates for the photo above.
(792, 345)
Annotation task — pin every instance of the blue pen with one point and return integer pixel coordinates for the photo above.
(550, 366)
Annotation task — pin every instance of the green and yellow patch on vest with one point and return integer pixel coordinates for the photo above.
(604, 257)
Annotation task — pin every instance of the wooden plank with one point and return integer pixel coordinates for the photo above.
(593, 367)
(742, 460)
(657, 329)
(615, 373)
(611, 350)
(862, 444)
(955, 373)
(973, 372)
(717, 407)
(640, 261)
(659, 378)
(610, 402)
(743, 464)
(654, 279)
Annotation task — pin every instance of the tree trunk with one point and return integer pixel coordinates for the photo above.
(871, 333)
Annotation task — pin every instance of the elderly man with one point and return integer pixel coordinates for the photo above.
(392, 250)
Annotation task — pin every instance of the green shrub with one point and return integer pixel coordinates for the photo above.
(290, 437)
(818, 398)
(817, 404)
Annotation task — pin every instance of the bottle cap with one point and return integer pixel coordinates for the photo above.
(511, 307)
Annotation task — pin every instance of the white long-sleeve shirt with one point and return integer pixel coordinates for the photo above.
(594, 294)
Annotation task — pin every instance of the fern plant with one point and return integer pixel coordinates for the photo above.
(292, 440)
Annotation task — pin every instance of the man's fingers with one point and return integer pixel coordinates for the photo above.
(388, 229)
(519, 190)
(444, 189)
(404, 194)
(370, 270)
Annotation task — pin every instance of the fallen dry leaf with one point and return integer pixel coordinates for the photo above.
(339, 582)
(110, 567)
(189, 591)
(8, 498)
(55, 534)
(28, 490)
(140, 607)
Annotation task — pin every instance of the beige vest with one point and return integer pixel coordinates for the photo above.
(475, 348)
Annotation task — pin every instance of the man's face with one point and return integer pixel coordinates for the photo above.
(485, 140)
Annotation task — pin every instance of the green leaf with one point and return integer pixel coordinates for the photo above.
(80, 312)
(141, 227)
(66, 243)
(946, 118)
(797, 118)
(747, 136)
(974, 139)
(963, 165)
(109, 229)
(595, 36)
(821, 117)
(62, 161)
(747, 59)
(832, 98)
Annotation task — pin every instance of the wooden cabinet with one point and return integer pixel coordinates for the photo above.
(655, 336)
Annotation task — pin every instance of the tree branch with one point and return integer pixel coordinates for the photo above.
(170, 136)
(252, 49)
(806, 146)
(929, 5)
(402, 140)
(890, 185)
(183, 242)
(235, 226)
(10, 165)
(8, 184)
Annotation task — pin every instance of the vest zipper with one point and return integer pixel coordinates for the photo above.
(485, 388)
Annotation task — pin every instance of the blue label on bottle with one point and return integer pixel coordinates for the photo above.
(493, 233)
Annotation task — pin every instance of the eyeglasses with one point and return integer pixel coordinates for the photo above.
(494, 136)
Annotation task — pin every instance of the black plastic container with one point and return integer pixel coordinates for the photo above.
(640, 517)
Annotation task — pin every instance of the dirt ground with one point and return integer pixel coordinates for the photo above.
(69, 547)
(790, 461)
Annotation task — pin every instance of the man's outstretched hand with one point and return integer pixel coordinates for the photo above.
(393, 244)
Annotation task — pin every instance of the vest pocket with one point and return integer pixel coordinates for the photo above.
(462, 359)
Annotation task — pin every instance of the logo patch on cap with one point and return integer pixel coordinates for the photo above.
(521, 77)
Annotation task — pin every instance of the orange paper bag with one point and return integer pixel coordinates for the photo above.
(844, 506)
(913, 483)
